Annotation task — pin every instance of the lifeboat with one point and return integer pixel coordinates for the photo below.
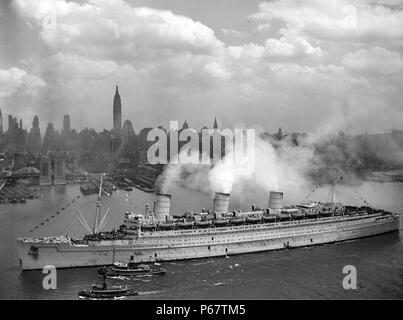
(203, 223)
(270, 218)
(166, 225)
(253, 219)
(220, 222)
(148, 227)
(297, 215)
(283, 216)
(237, 221)
(326, 213)
(312, 214)
(185, 224)
(338, 212)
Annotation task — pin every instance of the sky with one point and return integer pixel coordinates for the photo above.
(299, 65)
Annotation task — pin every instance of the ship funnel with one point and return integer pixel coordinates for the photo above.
(162, 206)
(221, 202)
(276, 200)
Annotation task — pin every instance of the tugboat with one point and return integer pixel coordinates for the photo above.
(102, 291)
(129, 270)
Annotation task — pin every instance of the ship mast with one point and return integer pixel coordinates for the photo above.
(98, 213)
(335, 180)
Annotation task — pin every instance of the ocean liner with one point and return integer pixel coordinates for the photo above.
(157, 235)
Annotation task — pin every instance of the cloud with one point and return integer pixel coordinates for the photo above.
(291, 44)
(346, 20)
(15, 81)
(78, 67)
(232, 32)
(114, 29)
(377, 60)
(217, 70)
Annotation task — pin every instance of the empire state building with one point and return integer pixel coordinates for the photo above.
(117, 112)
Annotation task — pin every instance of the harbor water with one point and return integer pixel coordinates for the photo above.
(303, 273)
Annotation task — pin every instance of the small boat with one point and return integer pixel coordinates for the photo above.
(103, 291)
(253, 219)
(269, 218)
(129, 269)
(203, 223)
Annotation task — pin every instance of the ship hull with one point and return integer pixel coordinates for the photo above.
(204, 243)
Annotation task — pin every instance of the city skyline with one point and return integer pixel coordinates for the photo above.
(116, 123)
(254, 65)
(185, 125)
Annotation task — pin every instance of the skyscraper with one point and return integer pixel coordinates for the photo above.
(34, 136)
(12, 123)
(215, 126)
(35, 124)
(117, 113)
(127, 132)
(66, 124)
